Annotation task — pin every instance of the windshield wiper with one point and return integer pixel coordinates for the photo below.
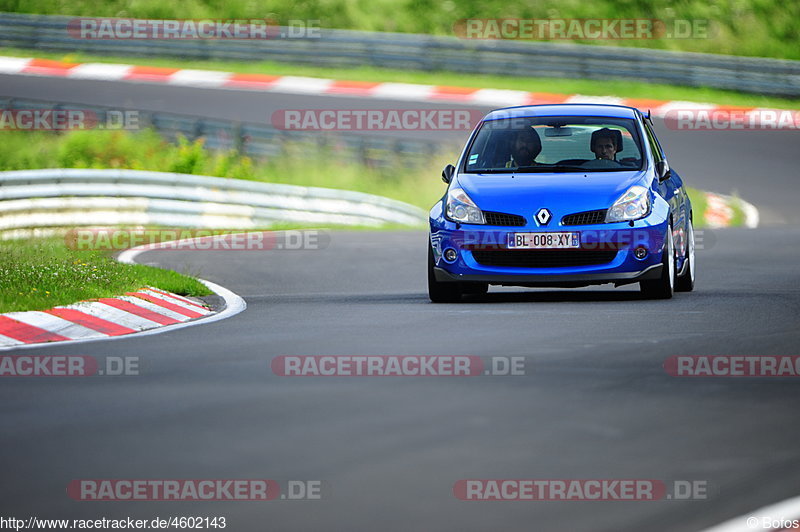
(492, 171)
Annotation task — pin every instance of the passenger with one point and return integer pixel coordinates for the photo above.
(605, 144)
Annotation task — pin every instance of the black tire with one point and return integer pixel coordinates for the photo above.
(663, 287)
(440, 292)
(685, 282)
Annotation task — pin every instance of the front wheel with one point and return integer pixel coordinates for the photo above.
(440, 292)
(685, 283)
(664, 286)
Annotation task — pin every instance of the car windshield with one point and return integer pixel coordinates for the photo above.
(555, 144)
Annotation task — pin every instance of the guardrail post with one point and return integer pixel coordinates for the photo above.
(237, 137)
(197, 130)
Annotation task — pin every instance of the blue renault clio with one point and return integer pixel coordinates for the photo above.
(563, 195)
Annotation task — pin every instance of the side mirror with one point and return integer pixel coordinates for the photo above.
(447, 173)
(663, 171)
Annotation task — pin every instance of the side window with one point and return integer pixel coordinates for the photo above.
(655, 147)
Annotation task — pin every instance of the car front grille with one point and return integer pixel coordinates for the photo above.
(585, 218)
(501, 218)
(543, 258)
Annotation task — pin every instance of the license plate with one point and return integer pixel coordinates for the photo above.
(544, 240)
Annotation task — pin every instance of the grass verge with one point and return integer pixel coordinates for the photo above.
(625, 89)
(38, 274)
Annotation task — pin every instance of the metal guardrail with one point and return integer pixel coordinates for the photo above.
(338, 48)
(53, 199)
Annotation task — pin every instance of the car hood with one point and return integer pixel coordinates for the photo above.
(562, 193)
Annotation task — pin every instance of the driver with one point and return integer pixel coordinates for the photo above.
(525, 147)
(604, 144)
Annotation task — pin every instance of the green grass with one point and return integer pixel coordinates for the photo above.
(38, 274)
(765, 28)
(624, 89)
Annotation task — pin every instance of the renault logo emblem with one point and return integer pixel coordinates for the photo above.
(543, 217)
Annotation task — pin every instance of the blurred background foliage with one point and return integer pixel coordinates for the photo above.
(766, 28)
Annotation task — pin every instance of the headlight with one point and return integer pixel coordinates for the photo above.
(632, 205)
(460, 208)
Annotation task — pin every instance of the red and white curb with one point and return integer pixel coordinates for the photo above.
(105, 317)
(147, 311)
(318, 86)
(720, 211)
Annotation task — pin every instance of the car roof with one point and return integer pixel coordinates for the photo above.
(563, 109)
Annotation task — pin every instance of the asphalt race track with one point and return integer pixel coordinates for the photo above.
(595, 401)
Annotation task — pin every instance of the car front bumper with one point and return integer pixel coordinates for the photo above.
(484, 256)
